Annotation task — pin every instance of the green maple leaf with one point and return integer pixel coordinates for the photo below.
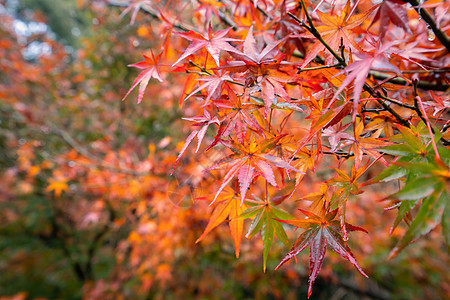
(266, 218)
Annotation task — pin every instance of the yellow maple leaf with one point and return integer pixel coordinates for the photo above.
(57, 186)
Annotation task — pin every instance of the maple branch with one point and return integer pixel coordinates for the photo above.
(318, 68)
(341, 154)
(416, 104)
(396, 102)
(377, 75)
(446, 126)
(83, 151)
(150, 11)
(198, 73)
(203, 69)
(373, 110)
(228, 21)
(425, 85)
(431, 24)
(445, 70)
(93, 246)
(380, 99)
(311, 28)
(58, 234)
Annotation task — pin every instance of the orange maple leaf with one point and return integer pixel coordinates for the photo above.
(334, 29)
(57, 186)
(227, 206)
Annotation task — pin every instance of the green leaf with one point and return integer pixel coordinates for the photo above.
(421, 168)
(279, 231)
(281, 214)
(444, 153)
(428, 217)
(256, 225)
(405, 207)
(416, 189)
(446, 222)
(399, 150)
(250, 212)
(411, 139)
(267, 237)
(390, 173)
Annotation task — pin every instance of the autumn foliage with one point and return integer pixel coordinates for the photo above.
(360, 80)
(327, 116)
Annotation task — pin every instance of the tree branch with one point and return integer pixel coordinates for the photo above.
(83, 151)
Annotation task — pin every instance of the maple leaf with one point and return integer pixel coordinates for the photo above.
(391, 11)
(213, 85)
(213, 43)
(429, 182)
(440, 104)
(262, 68)
(57, 186)
(287, 26)
(361, 144)
(203, 121)
(321, 230)
(335, 134)
(414, 147)
(427, 179)
(346, 186)
(252, 53)
(324, 118)
(150, 67)
(227, 206)
(266, 216)
(250, 160)
(358, 70)
(239, 115)
(134, 6)
(381, 122)
(335, 29)
(317, 199)
(209, 8)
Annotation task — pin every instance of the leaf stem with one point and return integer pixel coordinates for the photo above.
(318, 68)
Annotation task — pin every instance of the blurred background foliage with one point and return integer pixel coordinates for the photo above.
(87, 208)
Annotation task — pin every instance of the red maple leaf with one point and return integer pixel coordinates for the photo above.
(249, 160)
(391, 11)
(150, 67)
(239, 115)
(335, 29)
(203, 121)
(358, 70)
(213, 43)
(213, 85)
(321, 230)
(134, 6)
(262, 68)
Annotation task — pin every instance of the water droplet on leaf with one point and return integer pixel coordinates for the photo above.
(431, 35)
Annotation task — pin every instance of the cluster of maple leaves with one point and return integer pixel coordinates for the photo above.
(371, 80)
